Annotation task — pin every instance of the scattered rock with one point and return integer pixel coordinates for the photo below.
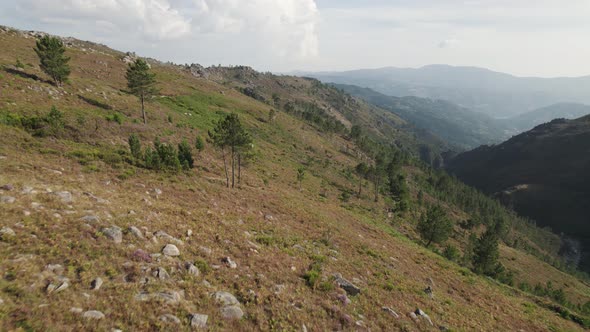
(171, 250)
(6, 232)
(136, 232)
(189, 232)
(53, 287)
(343, 299)
(161, 274)
(170, 297)
(229, 262)
(96, 283)
(199, 321)
(192, 269)
(231, 312)
(95, 198)
(422, 314)
(429, 292)
(390, 311)
(76, 310)
(167, 237)
(7, 187)
(90, 219)
(65, 196)
(349, 287)
(141, 255)
(93, 314)
(205, 250)
(7, 199)
(225, 298)
(113, 233)
(169, 318)
(54, 268)
(268, 217)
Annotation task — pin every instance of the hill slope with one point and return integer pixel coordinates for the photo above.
(458, 126)
(542, 173)
(495, 94)
(529, 120)
(76, 206)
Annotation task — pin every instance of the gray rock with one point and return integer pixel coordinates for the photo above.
(205, 250)
(192, 270)
(428, 290)
(169, 318)
(90, 219)
(165, 236)
(349, 287)
(199, 321)
(171, 250)
(7, 199)
(161, 274)
(54, 268)
(231, 312)
(390, 311)
(225, 298)
(65, 196)
(76, 310)
(136, 232)
(27, 190)
(96, 283)
(93, 314)
(170, 297)
(6, 232)
(228, 261)
(113, 233)
(422, 314)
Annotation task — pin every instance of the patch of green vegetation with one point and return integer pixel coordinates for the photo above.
(203, 266)
(199, 110)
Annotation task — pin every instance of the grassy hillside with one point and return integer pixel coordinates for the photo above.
(275, 248)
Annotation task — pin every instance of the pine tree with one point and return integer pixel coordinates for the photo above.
(185, 155)
(229, 133)
(300, 176)
(361, 170)
(141, 82)
(135, 146)
(51, 53)
(486, 253)
(435, 226)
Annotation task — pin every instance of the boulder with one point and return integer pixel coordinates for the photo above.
(231, 312)
(113, 233)
(93, 314)
(171, 250)
(349, 287)
(199, 321)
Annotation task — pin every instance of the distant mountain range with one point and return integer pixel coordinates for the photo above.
(543, 173)
(495, 94)
(459, 127)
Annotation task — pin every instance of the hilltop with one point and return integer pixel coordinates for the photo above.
(92, 241)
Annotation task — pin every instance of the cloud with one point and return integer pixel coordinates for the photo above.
(448, 43)
(151, 19)
(287, 26)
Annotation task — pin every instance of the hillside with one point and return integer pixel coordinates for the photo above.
(529, 120)
(92, 240)
(460, 127)
(496, 94)
(542, 173)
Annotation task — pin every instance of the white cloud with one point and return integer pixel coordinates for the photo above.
(287, 26)
(152, 19)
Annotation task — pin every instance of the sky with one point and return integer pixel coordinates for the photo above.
(543, 38)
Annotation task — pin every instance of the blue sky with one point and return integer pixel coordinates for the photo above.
(522, 37)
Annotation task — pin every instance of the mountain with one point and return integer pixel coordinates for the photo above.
(461, 128)
(95, 236)
(542, 174)
(496, 94)
(529, 120)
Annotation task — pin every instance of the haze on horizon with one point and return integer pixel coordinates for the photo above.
(543, 38)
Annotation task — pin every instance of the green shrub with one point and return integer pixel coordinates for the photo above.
(451, 253)
(185, 155)
(135, 146)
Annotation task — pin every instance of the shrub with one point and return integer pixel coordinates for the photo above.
(185, 155)
(451, 253)
(135, 146)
